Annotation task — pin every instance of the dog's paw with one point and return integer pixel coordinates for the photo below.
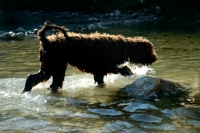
(100, 85)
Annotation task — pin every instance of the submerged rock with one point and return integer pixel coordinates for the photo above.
(134, 106)
(108, 112)
(146, 118)
(150, 88)
(163, 127)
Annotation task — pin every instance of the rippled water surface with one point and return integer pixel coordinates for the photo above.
(82, 107)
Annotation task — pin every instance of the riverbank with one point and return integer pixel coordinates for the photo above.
(29, 22)
(98, 20)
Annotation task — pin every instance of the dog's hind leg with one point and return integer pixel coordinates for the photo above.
(98, 78)
(58, 74)
(124, 71)
(34, 79)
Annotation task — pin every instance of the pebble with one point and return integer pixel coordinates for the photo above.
(117, 13)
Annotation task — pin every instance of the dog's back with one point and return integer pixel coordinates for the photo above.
(90, 52)
(94, 53)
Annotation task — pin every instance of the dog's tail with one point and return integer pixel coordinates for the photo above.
(46, 27)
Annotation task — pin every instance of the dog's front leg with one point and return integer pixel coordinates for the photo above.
(58, 73)
(98, 78)
(34, 79)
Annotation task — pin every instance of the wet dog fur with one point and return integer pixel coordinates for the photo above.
(95, 53)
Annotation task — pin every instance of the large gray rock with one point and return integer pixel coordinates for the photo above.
(150, 88)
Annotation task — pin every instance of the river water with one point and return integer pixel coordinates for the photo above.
(82, 107)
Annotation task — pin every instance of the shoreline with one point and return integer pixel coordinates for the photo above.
(27, 22)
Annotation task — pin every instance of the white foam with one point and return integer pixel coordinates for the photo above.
(75, 85)
(143, 70)
(78, 83)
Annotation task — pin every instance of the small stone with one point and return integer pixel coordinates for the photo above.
(35, 31)
(20, 30)
(117, 13)
(91, 26)
(111, 14)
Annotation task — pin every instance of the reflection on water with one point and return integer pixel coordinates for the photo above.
(82, 107)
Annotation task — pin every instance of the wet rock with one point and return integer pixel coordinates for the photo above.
(118, 125)
(19, 36)
(194, 123)
(35, 14)
(127, 22)
(73, 15)
(95, 26)
(149, 88)
(91, 26)
(115, 18)
(6, 35)
(101, 16)
(74, 114)
(158, 9)
(179, 113)
(99, 25)
(109, 112)
(185, 113)
(117, 13)
(165, 127)
(35, 31)
(147, 10)
(30, 33)
(79, 19)
(106, 15)
(134, 106)
(20, 30)
(19, 121)
(135, 21)
(134, 15)
(95, 19)
(146, 118)
(12, 36)
(167, 112)
(111, 14)
(1, 31)
(111, 23)
(92, 19)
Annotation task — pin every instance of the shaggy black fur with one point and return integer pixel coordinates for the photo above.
(98, 54)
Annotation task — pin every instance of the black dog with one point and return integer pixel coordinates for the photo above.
(98, 54)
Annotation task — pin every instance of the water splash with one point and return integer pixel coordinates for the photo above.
(79, 86)
(143, 70)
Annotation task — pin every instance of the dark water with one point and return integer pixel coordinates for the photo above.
(82, 107)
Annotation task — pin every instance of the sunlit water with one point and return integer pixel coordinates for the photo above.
(82, 107)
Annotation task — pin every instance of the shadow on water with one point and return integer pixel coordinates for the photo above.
(82, 107)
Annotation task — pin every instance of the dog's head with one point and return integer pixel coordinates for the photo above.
(141, 51)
